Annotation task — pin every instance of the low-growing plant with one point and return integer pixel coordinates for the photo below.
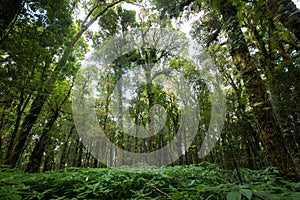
(204, 181)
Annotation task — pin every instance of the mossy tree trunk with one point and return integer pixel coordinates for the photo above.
(271, 134)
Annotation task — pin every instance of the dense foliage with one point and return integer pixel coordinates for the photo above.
(203, 181)
(255, 50)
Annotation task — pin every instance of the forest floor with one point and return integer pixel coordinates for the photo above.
(204, 181)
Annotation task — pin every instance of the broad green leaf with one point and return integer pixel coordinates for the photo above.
(234, 195)
(266, 195)
(297, 185)
(201, 187)
(247, 193)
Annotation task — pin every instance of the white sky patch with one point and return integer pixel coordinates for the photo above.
(186, 26)
(129, 6)
(297, 2)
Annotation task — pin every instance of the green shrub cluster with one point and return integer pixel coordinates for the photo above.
(204, 181)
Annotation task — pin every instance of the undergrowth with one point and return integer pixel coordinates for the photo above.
(204, 181)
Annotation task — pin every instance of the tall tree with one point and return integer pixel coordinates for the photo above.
(271, 133)
(35, 160)
(97, 10)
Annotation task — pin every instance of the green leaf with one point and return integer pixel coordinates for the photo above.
(201, 187)
(247, 193)
(295, 195)
(297, 185)
(258, 104)
(267, 195)
(234, 195)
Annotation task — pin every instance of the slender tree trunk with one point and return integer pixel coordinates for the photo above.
(287, 13)
(20, 110)
(137, 142)
(35, 159)
(27, 125)
(272, 137)
(66, 149)
(150, 97)
(80, 154)
(120, 123)
(8, 12)
(49, 162)
(14, 133)
(2, 123)
(95, 165)
(87, 159)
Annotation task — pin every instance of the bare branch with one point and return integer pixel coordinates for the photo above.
(153, 186)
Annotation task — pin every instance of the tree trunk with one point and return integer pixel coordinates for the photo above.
(150, 97)
(2, 123)
(80, 154)
(20, 110)
(27, 125)
(287, 13)
(119, 156)
(35, 159)
(8, 11)
(272, 137)
(65, 149)
(95, 165)
(49, 163)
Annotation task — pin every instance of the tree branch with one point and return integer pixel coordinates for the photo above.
(85, 25)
